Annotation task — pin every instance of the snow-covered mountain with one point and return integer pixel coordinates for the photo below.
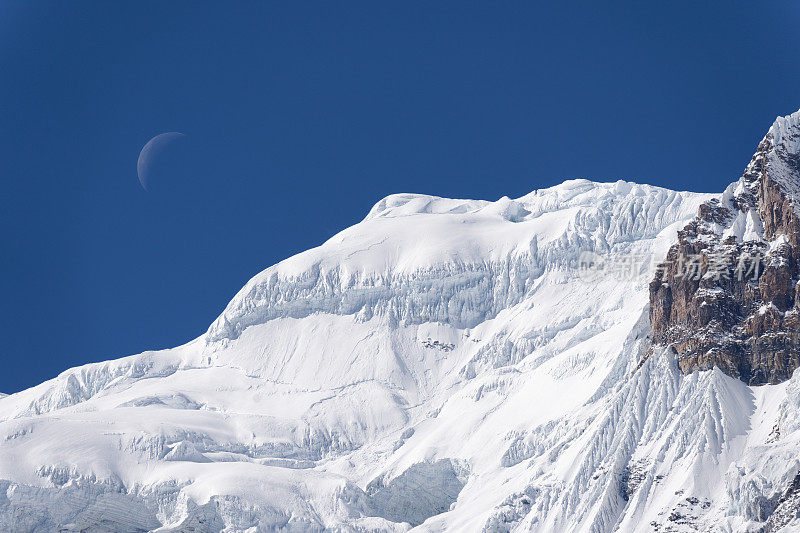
(445, 365)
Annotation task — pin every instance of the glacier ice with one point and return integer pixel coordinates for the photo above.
(440, 365)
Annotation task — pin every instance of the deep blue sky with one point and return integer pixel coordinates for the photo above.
(300, 116)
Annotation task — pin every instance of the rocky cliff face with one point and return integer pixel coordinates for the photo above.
(727, 294)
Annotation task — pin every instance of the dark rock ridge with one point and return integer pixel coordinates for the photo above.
(727, 293)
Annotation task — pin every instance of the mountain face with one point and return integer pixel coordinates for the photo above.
(541, 364)
(727, 295)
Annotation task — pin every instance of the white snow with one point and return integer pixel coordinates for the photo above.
(441, 364)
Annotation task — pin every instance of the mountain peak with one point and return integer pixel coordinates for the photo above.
(778, 157)
(785, 132)
(739, 307)
(448, 363)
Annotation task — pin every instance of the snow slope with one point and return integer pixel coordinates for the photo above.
(443, 365)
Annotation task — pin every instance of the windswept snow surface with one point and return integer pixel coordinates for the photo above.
(442, 365)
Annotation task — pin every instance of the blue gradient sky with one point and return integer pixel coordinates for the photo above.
(300, 116)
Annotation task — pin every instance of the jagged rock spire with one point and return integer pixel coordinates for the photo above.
(727, 294)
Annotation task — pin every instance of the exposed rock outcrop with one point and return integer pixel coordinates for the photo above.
(727, 293)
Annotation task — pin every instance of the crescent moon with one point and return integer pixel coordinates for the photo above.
(149, 152)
